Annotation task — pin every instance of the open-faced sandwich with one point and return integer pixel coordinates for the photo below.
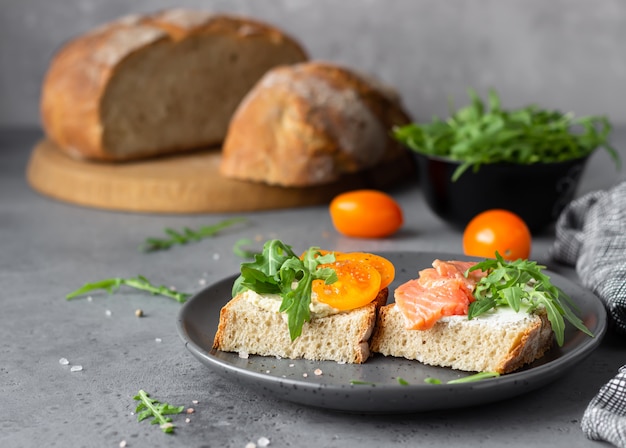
(492, 316)
(318, 306)
(489, 316)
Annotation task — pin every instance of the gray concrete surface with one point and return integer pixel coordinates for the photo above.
(49, 248)
(562, 54)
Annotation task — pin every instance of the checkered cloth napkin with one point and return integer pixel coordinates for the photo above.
(591, 235)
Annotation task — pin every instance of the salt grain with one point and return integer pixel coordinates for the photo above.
(123, 444)
(243, 355)
(158, 340)
(190, 410)
(194, 401)
(108, 313)
(187, 420)
(76, 368)
(318, 372)
(250, 445)
(216, 256)
(263, 442)
(202, 282)
(305, 375)
(63, 361)
(291, 365)
(89, 299)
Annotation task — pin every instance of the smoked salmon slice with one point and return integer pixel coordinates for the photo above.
(442, 290)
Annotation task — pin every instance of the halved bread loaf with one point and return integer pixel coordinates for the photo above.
(310, 123)
(344, 337)
(498, 342)
(157, 84)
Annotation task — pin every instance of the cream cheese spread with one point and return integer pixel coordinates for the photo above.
(271, 302)
(501, 314)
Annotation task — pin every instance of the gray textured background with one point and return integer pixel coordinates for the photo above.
(567, 55)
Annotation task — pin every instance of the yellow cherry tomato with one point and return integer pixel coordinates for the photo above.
(365, 214)
(385, 268)
(357, 285)
(497, 230)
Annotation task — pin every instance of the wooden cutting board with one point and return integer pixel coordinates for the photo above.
(188, 183)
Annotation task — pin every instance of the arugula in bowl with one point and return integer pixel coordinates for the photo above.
(476, 135)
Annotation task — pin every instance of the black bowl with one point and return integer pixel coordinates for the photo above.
(537, 192)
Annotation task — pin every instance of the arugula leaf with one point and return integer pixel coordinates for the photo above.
(475, 377)
(140, 282)
(475, 136)
(278, 270)
(521, 284)
(432, 380)
(149, 407)
(240, 251)
(466, 379)
(186, 235)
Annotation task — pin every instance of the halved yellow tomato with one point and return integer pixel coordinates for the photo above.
(384, 267)
(357, 284)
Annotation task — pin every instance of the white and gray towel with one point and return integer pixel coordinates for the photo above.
(591, 235)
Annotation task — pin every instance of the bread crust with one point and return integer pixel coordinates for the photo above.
(78, 96)
(464, 345)
(308, 123)
(344, 337)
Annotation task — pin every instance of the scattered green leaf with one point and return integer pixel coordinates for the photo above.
(521, 284)
(149, 407)
(111, 285)
(402, 381)
(186, 235)
(475, 136)
(475, 377)
(362, 383)
(278, 270)
(238, 248)
(466, 379)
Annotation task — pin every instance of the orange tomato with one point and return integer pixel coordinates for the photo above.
(385, 268)
(357, 285)
(365, 214)
(497, 230)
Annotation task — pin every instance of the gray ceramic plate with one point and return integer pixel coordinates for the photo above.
(373, 387)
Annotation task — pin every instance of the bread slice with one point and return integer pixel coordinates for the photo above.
(344, 337)
(158, 83)
(311, 123)
(499, 342)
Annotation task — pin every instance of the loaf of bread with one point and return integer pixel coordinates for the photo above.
(157, 84)
(343, 337)
(307, 124)
(501, 342)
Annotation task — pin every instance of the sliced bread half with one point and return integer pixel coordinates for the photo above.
(342, 337)
(501, 342)
(156, 84)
